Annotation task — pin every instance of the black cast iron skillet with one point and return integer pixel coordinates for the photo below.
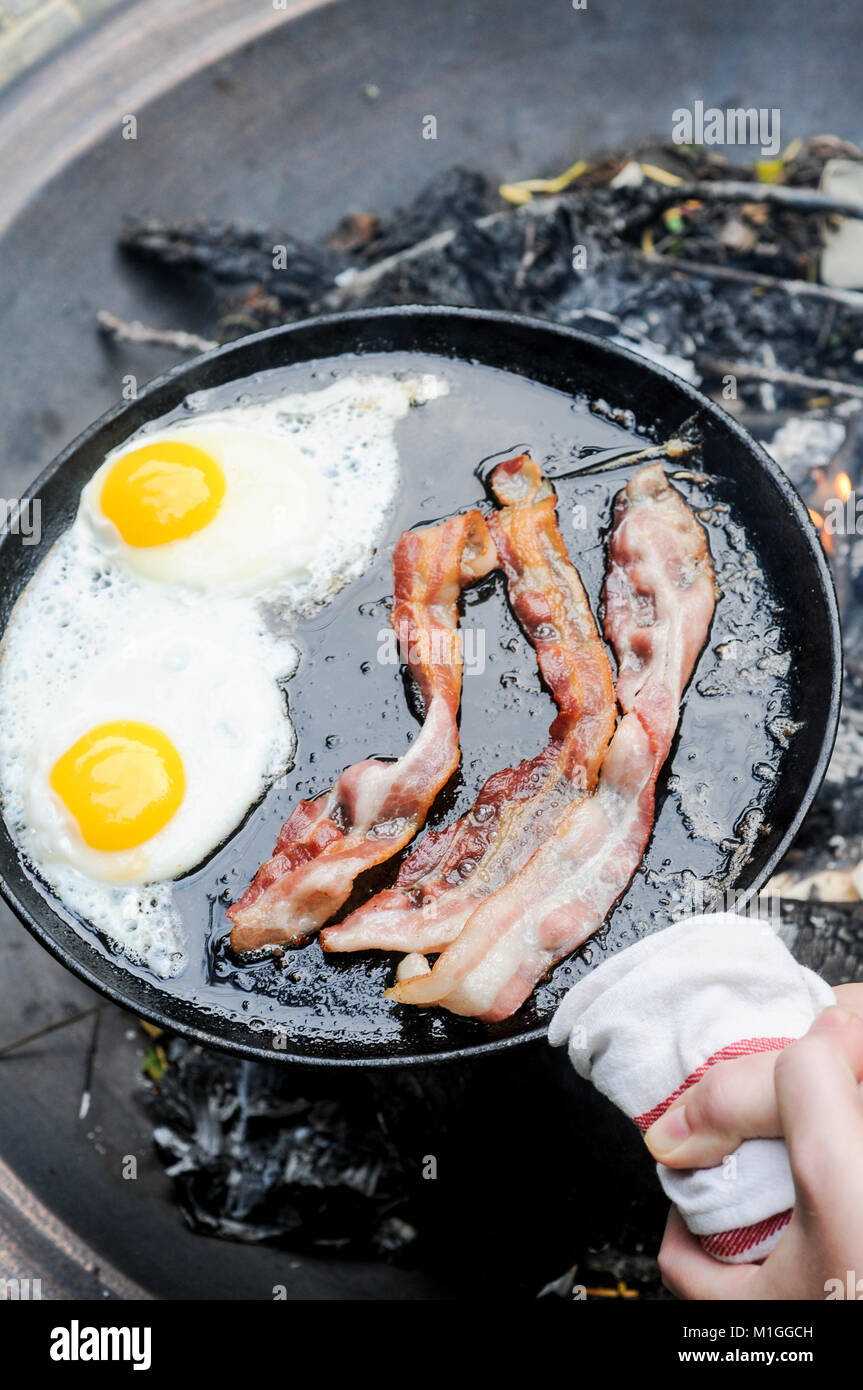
(330, 1010)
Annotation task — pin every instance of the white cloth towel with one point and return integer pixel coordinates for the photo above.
(649, 1022)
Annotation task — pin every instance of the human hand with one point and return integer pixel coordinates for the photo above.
(809, 1094)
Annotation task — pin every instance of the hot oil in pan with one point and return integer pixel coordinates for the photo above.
(348, 701)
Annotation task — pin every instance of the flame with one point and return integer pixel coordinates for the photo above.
(818, 521)
(828, 489)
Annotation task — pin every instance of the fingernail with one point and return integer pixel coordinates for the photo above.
(668, 1132)
(831, 1020)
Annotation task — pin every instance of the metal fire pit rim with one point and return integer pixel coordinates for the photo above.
(348, 319)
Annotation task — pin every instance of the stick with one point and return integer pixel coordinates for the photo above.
(749, 371)
(732, 191)
(353, 286)
(137, 332)
(672, 449)
(50, 1028)
(851, 299)
(803, 200)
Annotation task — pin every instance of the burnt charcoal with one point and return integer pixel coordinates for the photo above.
(455, 245)
(523, 261)
(826, 937)
(253, 1158)
(232, 254)
(515, 260)
(451, 199)
(411, 1164)
(526, 266)
(523, 266)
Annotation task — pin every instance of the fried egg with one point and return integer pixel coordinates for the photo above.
(290, 494)
(143, 709)
(137, 728)
(156, 756)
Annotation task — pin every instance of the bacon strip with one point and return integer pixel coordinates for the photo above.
(659, 599)
(375, 807)
(452, 870)
(659, 603)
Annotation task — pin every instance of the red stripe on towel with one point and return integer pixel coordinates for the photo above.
(726, 1245)
(744, 1048)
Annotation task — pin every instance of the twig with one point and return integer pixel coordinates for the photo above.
(137, 332)
(672, 449)
(51, 1028)
(803, 200)
(796, 199)
(851, 299)
(87, 1088)
(352, 287)
(749, 371)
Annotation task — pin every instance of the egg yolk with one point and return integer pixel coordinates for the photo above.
(122, 781)
(162, 492)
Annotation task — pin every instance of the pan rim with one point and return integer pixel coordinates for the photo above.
(440, 314)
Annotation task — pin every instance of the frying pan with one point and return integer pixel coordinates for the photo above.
(219, 1003)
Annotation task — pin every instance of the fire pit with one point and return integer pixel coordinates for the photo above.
(645, 245)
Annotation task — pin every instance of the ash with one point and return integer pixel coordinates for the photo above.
(714, 274)
(254, 1161)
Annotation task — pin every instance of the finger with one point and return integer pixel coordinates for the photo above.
(850, 997)
(817, 1089)
(688, 1272)
(736, 1100)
